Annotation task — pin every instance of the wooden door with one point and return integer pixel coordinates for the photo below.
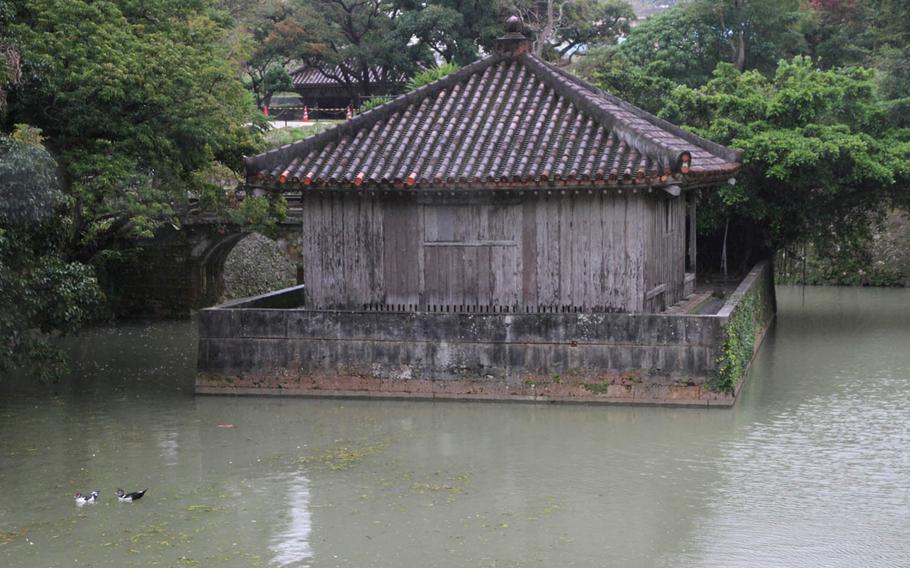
(471, 255)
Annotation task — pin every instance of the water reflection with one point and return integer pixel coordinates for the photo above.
(291, 547)
(168, 437)
(808, 469)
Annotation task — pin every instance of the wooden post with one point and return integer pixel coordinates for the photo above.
(692, 232)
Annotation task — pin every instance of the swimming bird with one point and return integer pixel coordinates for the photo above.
(127, 497)
(83, 499)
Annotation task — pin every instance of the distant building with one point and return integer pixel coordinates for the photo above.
(326, 94)
(644, 9)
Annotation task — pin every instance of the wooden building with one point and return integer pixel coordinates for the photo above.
(509, 186)
(326, 94)
(508, 232)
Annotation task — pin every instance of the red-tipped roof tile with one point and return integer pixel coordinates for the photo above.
(508, 121)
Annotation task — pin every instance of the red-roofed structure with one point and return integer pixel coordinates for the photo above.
(507, 232)
(510, 184)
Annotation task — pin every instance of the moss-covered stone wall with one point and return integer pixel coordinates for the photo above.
(747, 314)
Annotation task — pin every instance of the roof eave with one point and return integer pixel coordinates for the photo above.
(684, 181)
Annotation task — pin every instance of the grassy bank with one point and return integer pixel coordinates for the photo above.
(279, 136)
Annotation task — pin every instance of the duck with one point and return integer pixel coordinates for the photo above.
(132, 496)
(82, 499)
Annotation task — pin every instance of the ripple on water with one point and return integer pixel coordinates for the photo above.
(810, 469)
(824, 483)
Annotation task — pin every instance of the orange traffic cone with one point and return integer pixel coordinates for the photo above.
(350, 112)
(306, 114)
(265, 110)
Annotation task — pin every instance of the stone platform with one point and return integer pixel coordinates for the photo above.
(274, 345)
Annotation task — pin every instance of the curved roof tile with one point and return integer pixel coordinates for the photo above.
(507, 121)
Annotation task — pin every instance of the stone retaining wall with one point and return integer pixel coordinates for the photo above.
(267, 345)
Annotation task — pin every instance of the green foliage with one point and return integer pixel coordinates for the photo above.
(275, 79)
(597, 388)
(609, 68)
(749, 318)
(40, 293)
(825, 149)
(590, 23)
(10, 71)
(738, 347)
(751, 34)
(372, 103)
(29, 189)
(259, 212)
(818, 158)
(133, 99)
(455, 30)
(353, 41)
(270, 34)
(429, 75)
(685, 43)
(872, 33)
(673, 45)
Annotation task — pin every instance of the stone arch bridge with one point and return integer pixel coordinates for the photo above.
(182, 268)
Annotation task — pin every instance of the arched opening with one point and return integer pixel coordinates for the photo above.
(210, 268)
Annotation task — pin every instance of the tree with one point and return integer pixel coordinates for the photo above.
(685, 43)
(673, 44)
(10, 71)
(593, 23)
(835, 33)
(358, 42)
(613, 70)
(874, 33)
(41, 295)
(560, 27)
(135, 99)
(274, 36)
(454, 30)
(751, 34)
(819, 160)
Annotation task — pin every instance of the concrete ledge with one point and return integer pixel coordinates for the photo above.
(473, 390)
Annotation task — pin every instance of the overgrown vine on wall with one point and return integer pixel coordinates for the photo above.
(755, 309)
(739, 343)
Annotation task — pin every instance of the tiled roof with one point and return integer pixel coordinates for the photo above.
(311, 77)
(507, 121)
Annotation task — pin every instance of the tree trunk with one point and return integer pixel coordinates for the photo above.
(547, 29)
(741, 50)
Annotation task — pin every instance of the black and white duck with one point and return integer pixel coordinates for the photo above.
(82, 499)
(128, 497)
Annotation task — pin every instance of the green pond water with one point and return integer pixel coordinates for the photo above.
(811, 468)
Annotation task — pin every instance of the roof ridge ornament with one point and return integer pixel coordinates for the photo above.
(514, 42)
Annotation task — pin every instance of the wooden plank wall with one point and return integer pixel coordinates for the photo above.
(588, 252)
(471, 254)
(342, 252)
(398, 253)
(539, 253)
(665, 251)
